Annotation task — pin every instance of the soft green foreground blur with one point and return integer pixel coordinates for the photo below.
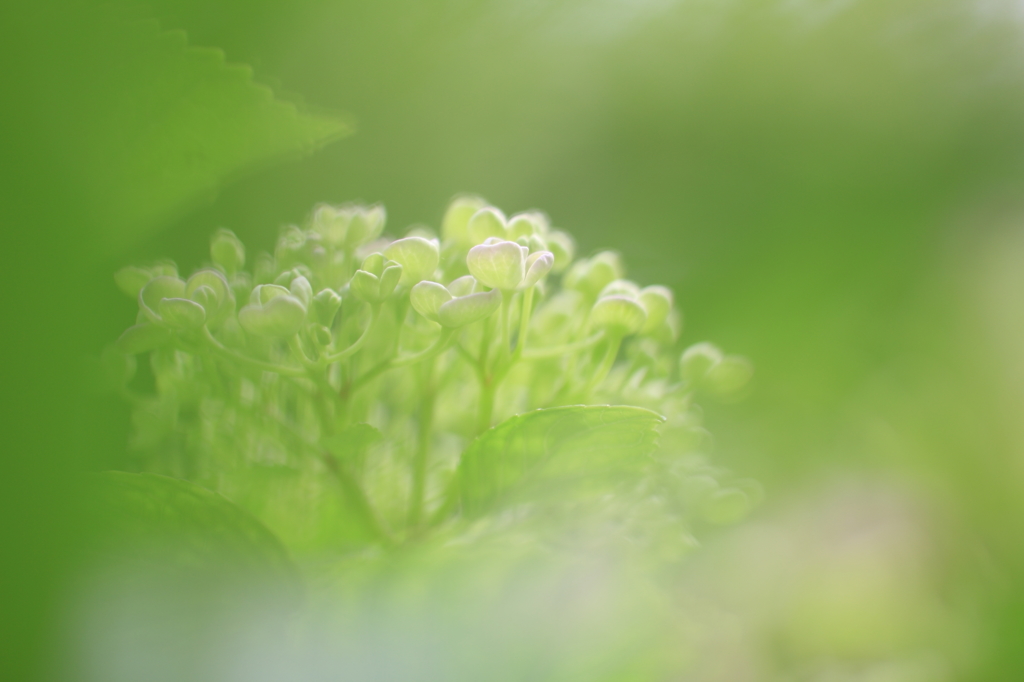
(834, 189)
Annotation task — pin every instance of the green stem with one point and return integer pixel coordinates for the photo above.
(358, 343)
(607, 361)
(419, 471)
(488, 388)
(259, 364)
(524, 323)
(357, 497)
(506, 341)
(295, 345)
(564, 349)
(440, 344)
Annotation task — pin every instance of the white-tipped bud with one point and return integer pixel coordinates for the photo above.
(181, 313)
(272, 311)
(521, 225)
(538, 265)
(487, 222)
(417, 256)
(618, 315)
(427, 299)
(500, 265)
(302, 290)
(697, 360)
(227, 251)
(464, 286)
(621, 287)
(464, 310)
(657, 301)
(331, 223)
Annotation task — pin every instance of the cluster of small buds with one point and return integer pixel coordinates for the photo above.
(492, 318)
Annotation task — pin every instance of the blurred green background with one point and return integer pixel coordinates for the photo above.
(832, 188)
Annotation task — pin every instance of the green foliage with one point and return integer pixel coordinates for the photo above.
(559, 451)
(350, 401)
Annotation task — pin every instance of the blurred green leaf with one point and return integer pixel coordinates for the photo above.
(154, 125)
(179, 524)
(563, 452)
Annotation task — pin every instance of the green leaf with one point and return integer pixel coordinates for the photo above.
(560, 453)
(171, 522)
(154, 125)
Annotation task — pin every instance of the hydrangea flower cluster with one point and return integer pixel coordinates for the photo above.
(347, 361)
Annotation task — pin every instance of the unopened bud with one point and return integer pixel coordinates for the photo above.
(320, 334)
(454, 226)
(325, 306)
(222, 302)
(331, 223)
(729, 376)
(464, 310)
(697, 360)
(538, 265)
(181, 313)
(620, 287)
(594, 274)
(417, 256)
(389, 279)
(657, 301)
(302, 290)
(464, 286)
(487, 222)
(156, 290)
(521, 225)
(619, 315)
(500, 265)
(365, 225)
(374, 264)
(272, 311)
(563, 247)
(428, 297)
(227, 251)
(365, 286)
(131, 279)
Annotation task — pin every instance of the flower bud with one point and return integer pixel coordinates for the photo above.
(365, 225)
(594, 274)
(521, 225)
(657, 301)
(325, 306)
(142, 338)
(563, 247)
(428, 297)
(464, 310)
(728, 376)
(389, 279)
(290, 243)
(500, 265)
(206, 297)
(222, 302)
(182, 313)
(487, 222)
(272, 311)
(454, 225)
(365, 286)
(227, 251)
(241, 285)
(156, 290)
(131, 279)
(302, 290)
(374, 264)
(537, 243)
(621, 287)
(619, 315)
(538, 265)
(331, 223)
(464, 286)
(417, 256)
(697, 360)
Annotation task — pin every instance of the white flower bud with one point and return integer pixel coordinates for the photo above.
(521, 225)
(621, 287)
(227, 251)
(619, 315)
(331, 223)
(487, 222)
(417, 256)
(389, 279)
(272, 311)
(325, 306)
(455, 224)
(464, 310)
(500, 265)
(302, 290)
(222, 303)
(365, 225)
(464, 286)
(538, 265)
(427, 299)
